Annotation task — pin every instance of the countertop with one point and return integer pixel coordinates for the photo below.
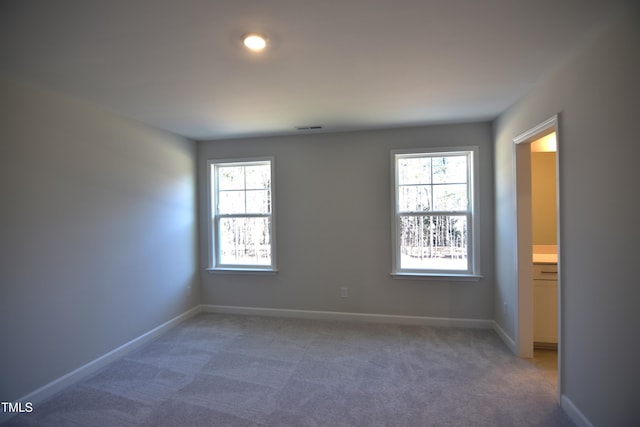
(545, 258)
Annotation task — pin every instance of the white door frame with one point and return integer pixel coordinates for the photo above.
(523, 237)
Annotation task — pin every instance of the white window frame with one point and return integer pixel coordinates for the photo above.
(473, 221)
(213, 218)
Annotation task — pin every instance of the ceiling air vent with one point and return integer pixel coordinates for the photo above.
(314, 127)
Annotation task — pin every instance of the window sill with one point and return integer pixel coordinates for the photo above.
(438, 276)
(227, 270)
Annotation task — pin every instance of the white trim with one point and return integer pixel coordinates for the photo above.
(443, 277)
(574, 413)
(212, 249)
(536, 131)
(559, 251)
(84, 371)
(358, 317)
(524, 287)
(472, 152)
(509, 342)
(240, 271)
(523, 250)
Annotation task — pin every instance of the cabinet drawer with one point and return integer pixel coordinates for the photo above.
(545, 271)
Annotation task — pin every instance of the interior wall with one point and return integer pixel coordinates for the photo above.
(595, 92)
(333, 215)
(543, 199)
(98, 234)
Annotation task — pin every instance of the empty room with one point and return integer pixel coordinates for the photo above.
(319, 213)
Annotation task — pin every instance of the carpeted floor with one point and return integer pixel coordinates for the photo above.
(225, 370)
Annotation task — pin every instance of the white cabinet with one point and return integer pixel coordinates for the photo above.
(545, 303)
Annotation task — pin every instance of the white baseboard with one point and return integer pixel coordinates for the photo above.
(505, 337)
(359, 317)
(84, 371)
(574, 413)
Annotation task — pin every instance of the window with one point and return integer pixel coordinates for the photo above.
(435, 225)
(242, 224)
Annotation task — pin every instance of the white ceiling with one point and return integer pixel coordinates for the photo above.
(345, 64)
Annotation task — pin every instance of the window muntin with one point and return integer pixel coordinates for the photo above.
(242, 215)
(434, 218)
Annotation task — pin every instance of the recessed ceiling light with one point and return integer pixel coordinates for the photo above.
(254, 42)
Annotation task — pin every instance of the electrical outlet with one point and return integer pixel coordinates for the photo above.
(344, 292)
(189, 290)
(504, 307)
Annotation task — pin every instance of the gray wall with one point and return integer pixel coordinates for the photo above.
(333, 226)
(97, 226)
(596, 93)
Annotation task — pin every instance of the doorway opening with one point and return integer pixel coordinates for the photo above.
(536, 159)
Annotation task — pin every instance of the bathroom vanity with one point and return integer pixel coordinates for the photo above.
(545, 297)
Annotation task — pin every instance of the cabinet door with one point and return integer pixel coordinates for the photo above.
(545, 311)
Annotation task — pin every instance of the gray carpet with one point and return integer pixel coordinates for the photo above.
(224, 370)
